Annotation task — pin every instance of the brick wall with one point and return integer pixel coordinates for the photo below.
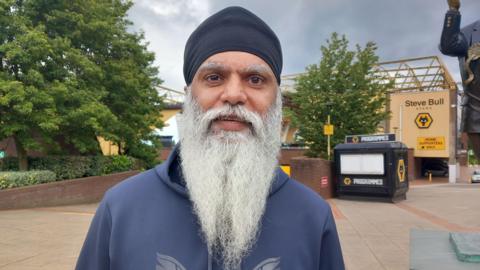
(287, 154)
(74, 191)
(310, 171)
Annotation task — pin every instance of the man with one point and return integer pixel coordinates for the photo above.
(465, 44)
(219, 201)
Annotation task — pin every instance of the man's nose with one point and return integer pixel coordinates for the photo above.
(234, 92)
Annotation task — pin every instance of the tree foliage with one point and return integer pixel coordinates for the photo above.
(344, 84)
(69, 72)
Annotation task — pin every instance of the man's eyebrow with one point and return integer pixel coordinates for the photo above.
(261, 69)
(212, 66)
(216, 66)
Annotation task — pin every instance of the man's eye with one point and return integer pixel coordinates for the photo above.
(255, 79)
(213, 78)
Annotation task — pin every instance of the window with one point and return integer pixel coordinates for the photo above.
(362, 164)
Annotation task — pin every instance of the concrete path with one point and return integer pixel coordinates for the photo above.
(43, 238)
(376, 235)
(373, 235)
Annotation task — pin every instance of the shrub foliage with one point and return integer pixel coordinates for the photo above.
(25, 178)
(69, 167)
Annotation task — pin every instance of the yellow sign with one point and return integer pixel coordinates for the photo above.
(423, 120)
(401, 170)
(422, 114)
(327, 129)
(347, 181)
(431, 143)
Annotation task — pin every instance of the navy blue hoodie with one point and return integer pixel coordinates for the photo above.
(147, 222)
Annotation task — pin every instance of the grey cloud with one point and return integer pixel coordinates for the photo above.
(401, 29)
(167, 25)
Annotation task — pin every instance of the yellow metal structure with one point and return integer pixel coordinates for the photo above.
(173, 99)
(169, 113)
(413, 74)
(171, 96)
(417, 74)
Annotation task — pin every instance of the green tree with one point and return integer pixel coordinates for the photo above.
(345, 85)
(82, 73)
(27, 104)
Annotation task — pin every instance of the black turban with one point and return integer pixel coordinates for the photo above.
(232, 29)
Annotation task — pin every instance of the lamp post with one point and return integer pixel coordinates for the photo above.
(328, 128)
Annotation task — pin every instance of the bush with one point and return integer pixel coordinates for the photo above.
(472, 160)
(9, 164)
(69, 167)
(65, 167)
(27, 178)
(118, 164)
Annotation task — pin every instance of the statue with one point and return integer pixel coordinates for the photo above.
(465, 44)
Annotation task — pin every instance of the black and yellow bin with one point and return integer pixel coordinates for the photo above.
(372, 171)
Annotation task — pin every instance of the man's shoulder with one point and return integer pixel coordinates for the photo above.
(134, 187)
(296, 203)
(304, 196)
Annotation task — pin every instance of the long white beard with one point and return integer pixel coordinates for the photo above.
(229, 175)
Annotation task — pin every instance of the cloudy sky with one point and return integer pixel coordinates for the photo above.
(401, 29)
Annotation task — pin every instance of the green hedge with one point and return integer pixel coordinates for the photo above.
(27, 178)
(69, 167)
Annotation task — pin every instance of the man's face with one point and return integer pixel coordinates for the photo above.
(229, 142)
(235, 78)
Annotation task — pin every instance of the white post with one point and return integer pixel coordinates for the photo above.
(452, 173)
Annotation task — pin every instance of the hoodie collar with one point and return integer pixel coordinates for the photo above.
(170, 172)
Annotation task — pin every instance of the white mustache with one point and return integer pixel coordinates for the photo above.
(234, 112)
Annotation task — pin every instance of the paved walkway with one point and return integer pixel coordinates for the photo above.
(374, 235)
(43, 238)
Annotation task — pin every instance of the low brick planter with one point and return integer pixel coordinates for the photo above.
(286, 155)
(315, 173)
(73, 191)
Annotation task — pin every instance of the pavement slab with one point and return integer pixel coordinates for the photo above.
(432, 249)
(43, 238)
(373, 235)
(466, 246)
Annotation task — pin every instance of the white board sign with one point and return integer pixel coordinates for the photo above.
(363, 164)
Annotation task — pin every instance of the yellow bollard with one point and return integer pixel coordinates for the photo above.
(429, 177)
